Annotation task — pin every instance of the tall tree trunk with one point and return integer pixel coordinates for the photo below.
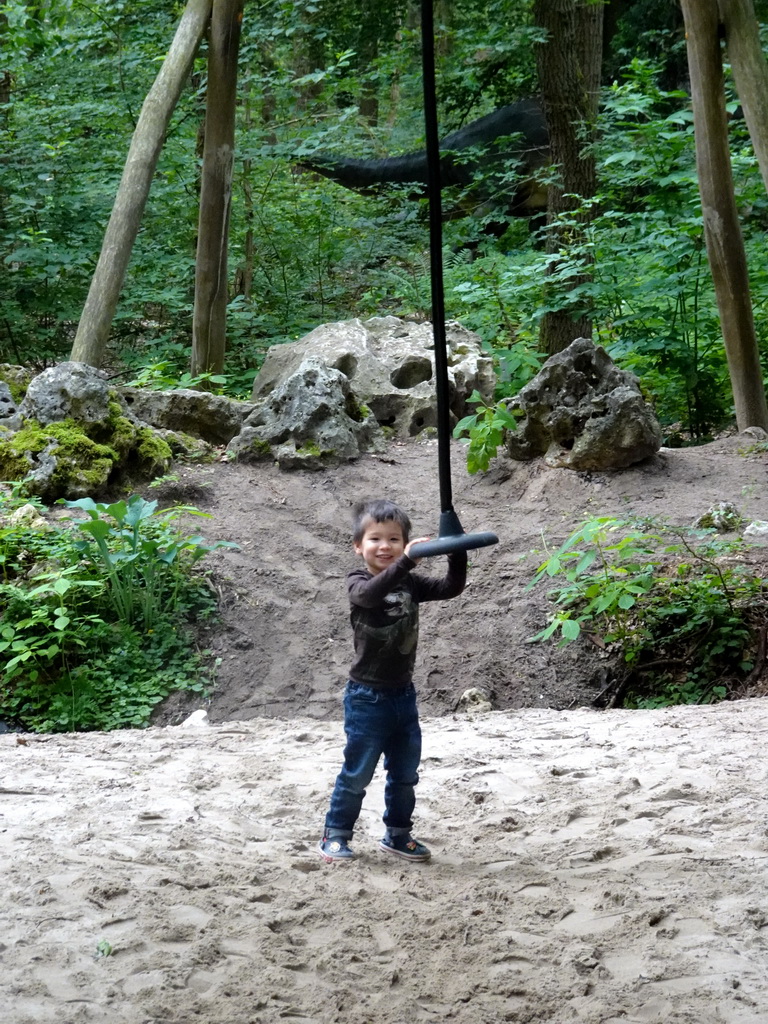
(308, 55)
(5, 73)
(750, 72)
(209, 322)
(5, 103)
(101, 303)
(243, 284)
(368, 51)
(722, 231)
(569, 74)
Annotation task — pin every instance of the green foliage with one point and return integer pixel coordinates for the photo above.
(652, 291)
(484, 430)
(21, 546)
(62, 161)
(650, 294)
(671, 601)
(161, 377)
(140, 554)
(95, 629)
(346, 78)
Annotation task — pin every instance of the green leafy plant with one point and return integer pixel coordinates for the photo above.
(43, 627)
(604, 572)
(484, 431)
(162, 376)
(681, 617)
(95, 614)
(140, 552)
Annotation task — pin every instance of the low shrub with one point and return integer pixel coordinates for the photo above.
(680, 607)
(96, 614)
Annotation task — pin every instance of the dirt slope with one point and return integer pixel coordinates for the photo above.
(284, 643)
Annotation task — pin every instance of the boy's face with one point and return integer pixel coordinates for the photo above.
(381, 545)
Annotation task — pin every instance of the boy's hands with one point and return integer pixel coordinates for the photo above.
(409, 545)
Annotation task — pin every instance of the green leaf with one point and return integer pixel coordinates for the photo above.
(98, 528)
(464, 425)
(545, 634)
(570, 629)
(585, 562)
(88, 505)
(505, 417)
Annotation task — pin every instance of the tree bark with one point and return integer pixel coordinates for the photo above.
(368, 51)
(101, 303)
(307, 57)
(209, 322)
(569, 74)
(750, 72)
(722, 231)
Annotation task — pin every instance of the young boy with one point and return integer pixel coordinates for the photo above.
(380, 713)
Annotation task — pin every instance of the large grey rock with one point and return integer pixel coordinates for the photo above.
(583, 412)
(309, 420)
(67, 391)
(212, 418)
(389, 364)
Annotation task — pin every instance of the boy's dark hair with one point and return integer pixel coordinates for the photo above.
(379, 511)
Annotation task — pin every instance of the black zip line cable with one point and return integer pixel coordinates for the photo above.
(451, 536)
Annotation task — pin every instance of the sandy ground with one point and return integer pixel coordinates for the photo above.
(589, 866)
(607, 867)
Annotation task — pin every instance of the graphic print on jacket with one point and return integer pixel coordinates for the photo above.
(384, 610)
(385, 640)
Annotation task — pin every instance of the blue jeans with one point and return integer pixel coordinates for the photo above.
(377, 722)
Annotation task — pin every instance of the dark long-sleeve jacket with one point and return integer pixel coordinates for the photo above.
(385, 617)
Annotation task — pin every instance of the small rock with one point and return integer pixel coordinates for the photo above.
(196, 720)
(723, 517)
(756, 433)
(27, 515)
(475, 700)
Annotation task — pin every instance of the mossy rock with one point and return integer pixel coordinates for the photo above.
(723, 517)
(151, 455)
(61, 460)
(186, 447)
(306, 456)
(57, 461)
(17, 378)
(249, 447)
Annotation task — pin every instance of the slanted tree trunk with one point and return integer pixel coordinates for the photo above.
(750, 72)
(101, 303)
(722, 231)
(569, 74)
(209, 322)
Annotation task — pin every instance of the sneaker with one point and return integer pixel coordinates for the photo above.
(335, 849)
(404, 846)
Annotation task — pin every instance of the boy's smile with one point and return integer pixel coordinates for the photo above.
(381, 545)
